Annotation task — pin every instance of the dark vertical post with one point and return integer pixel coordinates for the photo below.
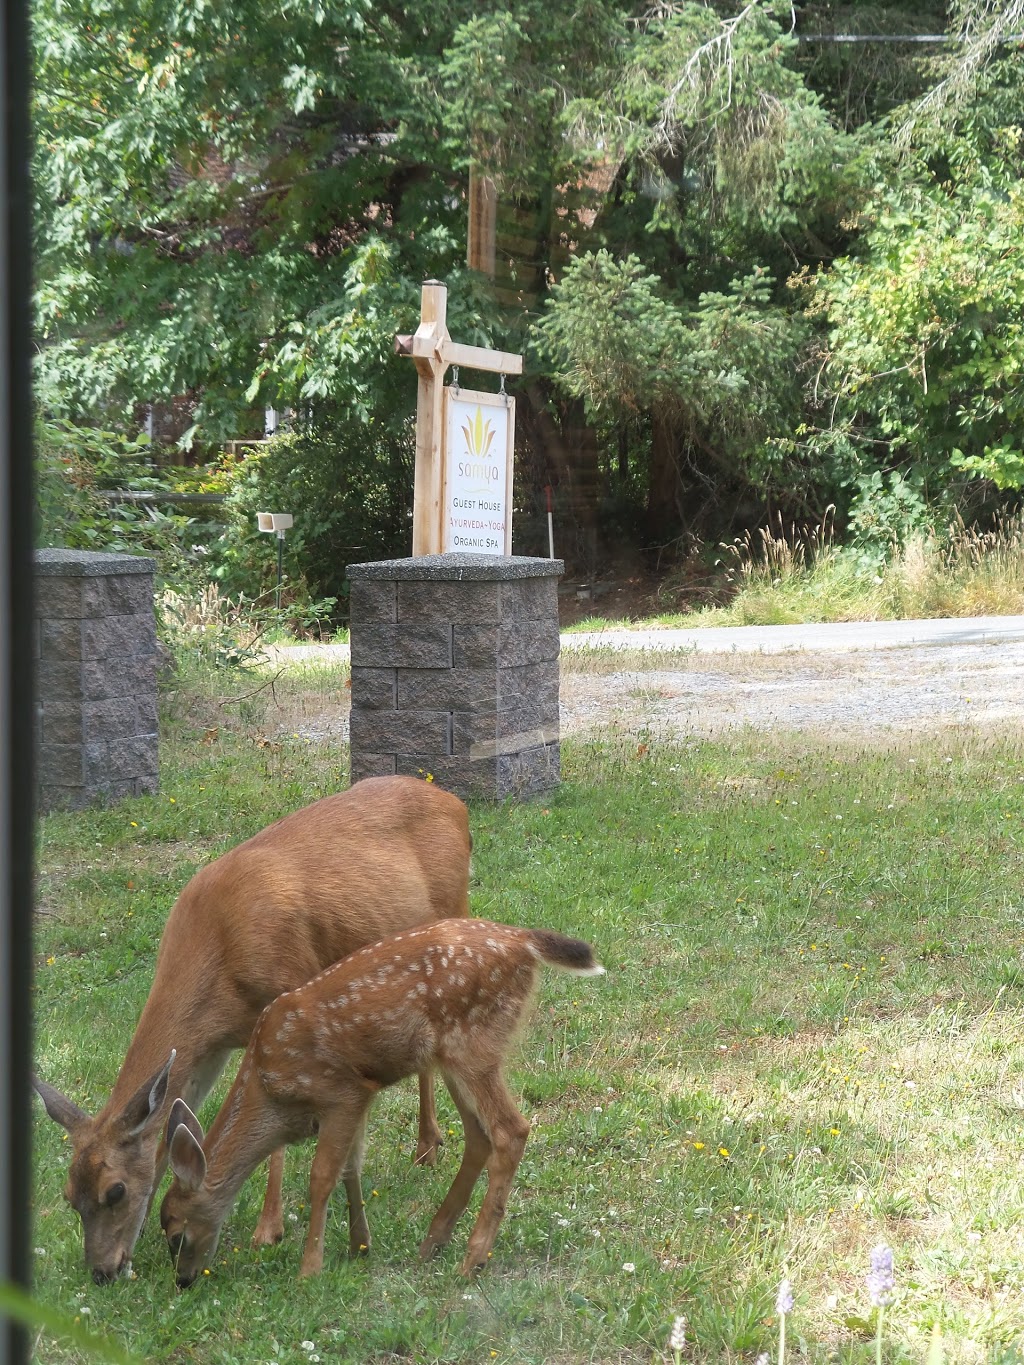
(482, 225)
(16, 682)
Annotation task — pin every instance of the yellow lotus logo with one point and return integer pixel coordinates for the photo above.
(479, 434)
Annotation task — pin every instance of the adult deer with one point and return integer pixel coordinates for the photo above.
(448, 995)
(388, 854)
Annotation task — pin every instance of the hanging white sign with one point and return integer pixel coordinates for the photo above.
(477, 503)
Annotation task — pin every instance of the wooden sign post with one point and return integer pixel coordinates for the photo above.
(432, 351)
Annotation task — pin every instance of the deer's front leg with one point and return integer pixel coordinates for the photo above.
(270, 1228)
(429, 1137)
(339, 1131)
(352, 1177)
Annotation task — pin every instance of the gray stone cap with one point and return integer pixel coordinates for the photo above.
(89, 563)
(445, 568)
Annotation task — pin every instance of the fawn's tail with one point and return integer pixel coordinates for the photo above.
(569, 954)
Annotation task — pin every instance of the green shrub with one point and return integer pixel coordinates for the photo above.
(348, 486)
(74, 465)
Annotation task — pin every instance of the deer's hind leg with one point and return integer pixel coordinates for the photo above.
(507, 1130)
(474, 1159)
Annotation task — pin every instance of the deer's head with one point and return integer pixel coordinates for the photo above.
(189, 1216)
(113, 1169)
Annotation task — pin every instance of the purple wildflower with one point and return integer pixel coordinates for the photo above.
(881, 1279)
(784, 1302)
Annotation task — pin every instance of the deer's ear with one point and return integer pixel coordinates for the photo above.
(186, 1157)
(147, 1102)
(59, 1107)
(182, 1116)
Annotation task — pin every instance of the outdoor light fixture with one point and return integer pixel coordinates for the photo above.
(277, 522)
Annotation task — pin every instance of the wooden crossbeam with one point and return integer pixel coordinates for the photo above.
(479, 358)
(428, 344)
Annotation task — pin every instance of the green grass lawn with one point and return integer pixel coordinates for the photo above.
(809, 1041)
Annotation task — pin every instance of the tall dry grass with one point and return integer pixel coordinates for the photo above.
(967, 572)
(785, 575)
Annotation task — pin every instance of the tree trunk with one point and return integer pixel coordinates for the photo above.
(664, 519)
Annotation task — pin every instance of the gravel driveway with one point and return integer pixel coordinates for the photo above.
(860, 681)
(850, 694)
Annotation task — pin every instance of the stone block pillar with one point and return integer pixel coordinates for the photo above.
(95, 646)
(455, 671)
